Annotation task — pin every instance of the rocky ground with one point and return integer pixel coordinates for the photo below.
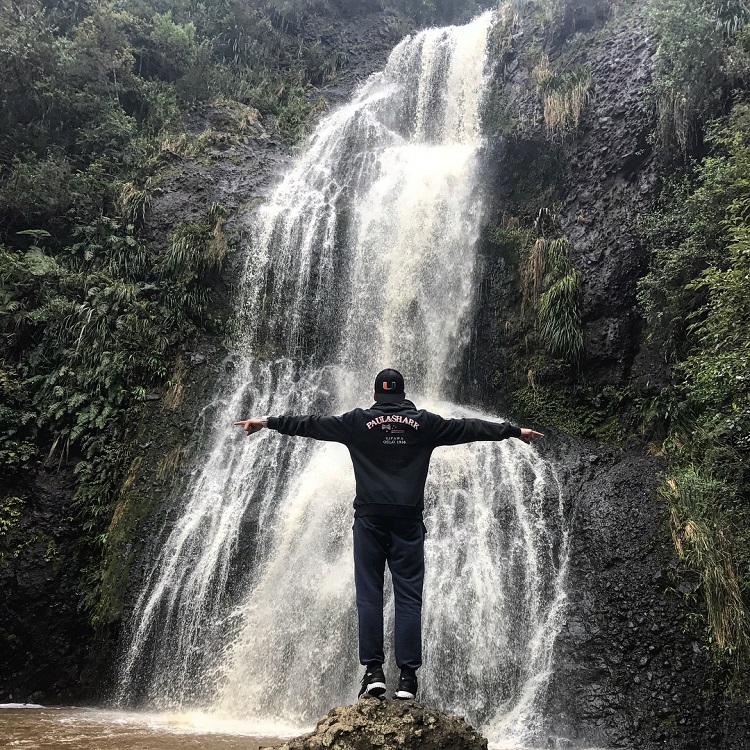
(388, 725)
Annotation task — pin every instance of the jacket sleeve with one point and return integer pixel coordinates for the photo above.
(455, 431)
(336, 429)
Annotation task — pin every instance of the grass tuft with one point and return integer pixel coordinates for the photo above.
(133, 203)
(698, 530)
(564, 95)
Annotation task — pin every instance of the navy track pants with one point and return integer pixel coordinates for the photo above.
(400, 543)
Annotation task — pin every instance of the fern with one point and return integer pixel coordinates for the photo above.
(559, 317)
(552, 286)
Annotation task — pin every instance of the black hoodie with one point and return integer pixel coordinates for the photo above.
(391, 446)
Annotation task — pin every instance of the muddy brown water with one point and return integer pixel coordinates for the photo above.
(92, 729)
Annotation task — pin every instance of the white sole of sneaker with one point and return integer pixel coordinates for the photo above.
(404, 695)
(374, 690)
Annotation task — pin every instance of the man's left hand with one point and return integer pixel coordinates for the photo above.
(528, 435)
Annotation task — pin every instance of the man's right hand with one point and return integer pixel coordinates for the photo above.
(251, 426)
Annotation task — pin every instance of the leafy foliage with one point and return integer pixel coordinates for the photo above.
(548, 336)
(558, 312)
(577, 409)
(703, 535)
(695, 65)
(552, 286)
(695, 300)
(12, 541)
(10, 512)
(88, 333)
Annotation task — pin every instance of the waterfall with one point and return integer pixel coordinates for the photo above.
(364, 257)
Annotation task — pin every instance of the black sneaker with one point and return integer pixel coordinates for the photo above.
(407, 685)
(373, 683)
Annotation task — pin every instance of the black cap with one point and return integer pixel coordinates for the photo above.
(389, 387)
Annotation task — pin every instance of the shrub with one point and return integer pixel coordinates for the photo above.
(695, 299)
(702, 529)
(690, 81)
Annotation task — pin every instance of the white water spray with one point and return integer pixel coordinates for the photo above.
(363, 258)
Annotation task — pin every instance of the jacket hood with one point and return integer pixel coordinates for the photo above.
(387, 408)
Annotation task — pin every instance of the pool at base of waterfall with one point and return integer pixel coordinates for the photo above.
(31, 727)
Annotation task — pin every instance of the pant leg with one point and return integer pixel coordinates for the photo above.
(406, 563)
(371, 544)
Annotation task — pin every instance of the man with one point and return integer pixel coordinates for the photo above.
(390, 446)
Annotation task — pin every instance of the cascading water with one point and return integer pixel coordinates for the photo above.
(363, 258)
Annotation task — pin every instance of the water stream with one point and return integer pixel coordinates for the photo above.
(364, 257)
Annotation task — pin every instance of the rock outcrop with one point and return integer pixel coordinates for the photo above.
(372, 723)
(598, 180)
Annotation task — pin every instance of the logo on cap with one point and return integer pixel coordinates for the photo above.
(389, 386)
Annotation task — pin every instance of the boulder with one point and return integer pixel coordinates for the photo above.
(372, 724)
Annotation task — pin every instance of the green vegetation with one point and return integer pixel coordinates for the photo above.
(695, 302)
(577, 409)
(703, 48)
(558, 312)
(703, 536)
(93, 99)
(548, 336)
(551, 287)
(87, 333)
(12, 539)
(564, 95)
(10, 512)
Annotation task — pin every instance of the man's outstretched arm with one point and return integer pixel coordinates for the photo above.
(336, 429)
(456, 431)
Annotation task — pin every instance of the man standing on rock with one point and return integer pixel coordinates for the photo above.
(390, 446)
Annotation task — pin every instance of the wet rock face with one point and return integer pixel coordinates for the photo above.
(43, 633)
(389, 725)
(610, 179)
(630, 669)
(360, 35)
(599, 181)
(237, 168)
